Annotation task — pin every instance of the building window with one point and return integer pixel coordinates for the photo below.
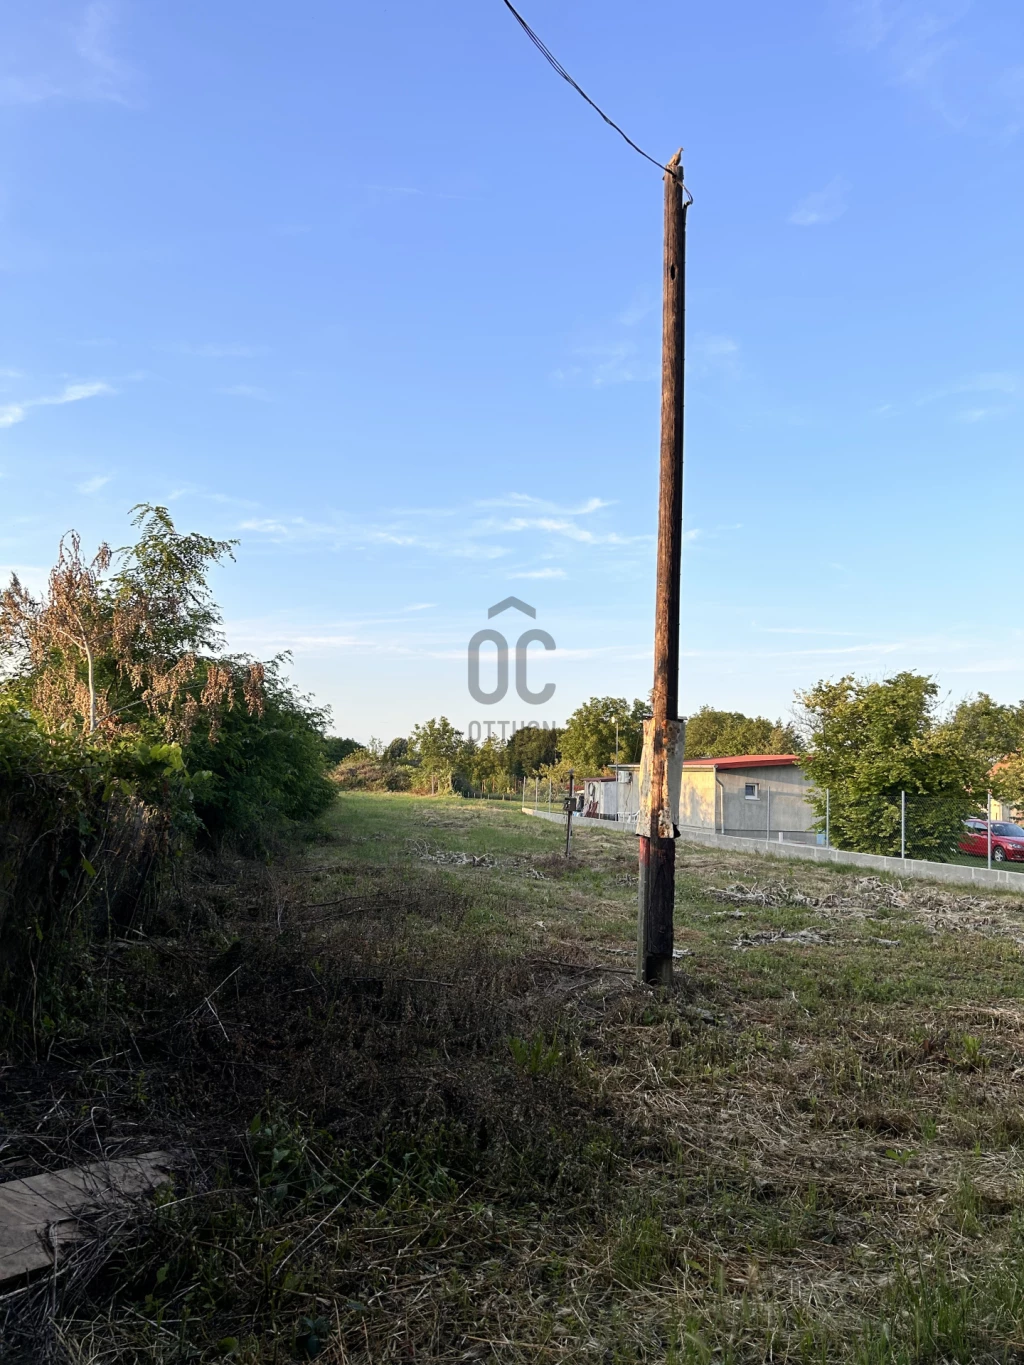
(750, 790)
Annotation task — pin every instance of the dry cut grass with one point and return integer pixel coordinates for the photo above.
(425, 1114)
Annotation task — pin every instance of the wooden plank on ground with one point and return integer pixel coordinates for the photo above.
(40, 1214)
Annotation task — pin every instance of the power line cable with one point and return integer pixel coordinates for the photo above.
(550, 57)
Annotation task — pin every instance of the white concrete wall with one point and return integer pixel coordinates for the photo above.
(900, 867)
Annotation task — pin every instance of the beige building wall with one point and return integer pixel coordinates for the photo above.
(779, 806)
(717, 800)
(698, 799)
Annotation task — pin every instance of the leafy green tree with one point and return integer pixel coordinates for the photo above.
(988, 728)
(529, 750)
(439, 750)
(1007, 781)
(486, 764)
(128, 639)
(872, 740)
(126, 648)
(723, 734)
(588, 741)
(336, 748)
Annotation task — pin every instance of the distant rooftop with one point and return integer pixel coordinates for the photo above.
(738, 761)
(745, 761)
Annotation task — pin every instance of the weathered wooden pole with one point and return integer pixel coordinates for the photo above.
(662, 733)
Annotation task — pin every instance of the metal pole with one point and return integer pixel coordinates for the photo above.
(549, 795)
(768, 829)
(656, 897)
(568, 815)
(616, 743)
(536, 793)
(990, 831)
(903, 825)
(827, 844)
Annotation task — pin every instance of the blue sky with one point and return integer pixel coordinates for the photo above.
(372, 290)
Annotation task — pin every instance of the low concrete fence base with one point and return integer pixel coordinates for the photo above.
(900, 867)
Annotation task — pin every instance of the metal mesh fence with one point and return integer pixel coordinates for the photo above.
(606, 798)
(955, 828)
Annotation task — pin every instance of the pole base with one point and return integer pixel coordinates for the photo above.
(657, 895)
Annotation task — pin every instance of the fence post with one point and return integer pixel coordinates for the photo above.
(768, 830)
(827, 813)
(989, 823)
(568, 815)
(903, 825)
(549, 795)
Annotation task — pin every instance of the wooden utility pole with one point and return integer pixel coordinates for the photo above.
(656, 826)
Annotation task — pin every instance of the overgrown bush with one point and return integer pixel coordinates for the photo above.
(365, 770)
(126, 731)
(257, 771)
(83, 830)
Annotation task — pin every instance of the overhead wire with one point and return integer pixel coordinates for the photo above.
(550, 57)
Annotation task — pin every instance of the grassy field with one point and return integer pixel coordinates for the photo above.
(425, 1113)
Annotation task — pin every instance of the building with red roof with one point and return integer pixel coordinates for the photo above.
(753, 795)
(757, 796)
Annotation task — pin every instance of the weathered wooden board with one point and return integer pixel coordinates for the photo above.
(659, 811)
(40, 1214)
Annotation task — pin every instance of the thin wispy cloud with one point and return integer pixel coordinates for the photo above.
(211, 350)
(877, 647)
(618, 351)
(614, 363)
(94, 485)
(1000, 385)
(715, 347)
(13, 413)
(410, 192)
(301, 531)
(527, 500)
(983, 414)
(712, 356)
(563, 527)
(640, 307)
(270, 527)
(538, 526)
(246, 391)
(951, 55)
(1003, 385)
(801, 630)
(538, 573)
(68, 52)
(823, 206)
(989, 381)
(74, 393)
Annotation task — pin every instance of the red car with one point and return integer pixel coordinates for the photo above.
(1007, 841)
